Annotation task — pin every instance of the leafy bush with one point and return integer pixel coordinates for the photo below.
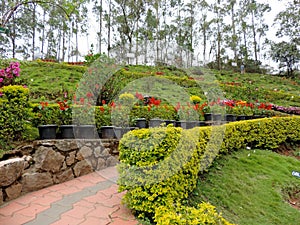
(14, 114)
(205, 213)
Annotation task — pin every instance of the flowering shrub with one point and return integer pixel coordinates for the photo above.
(65, 112)
(289, 110)
(45, 113)
(246, 108)
(8, 74)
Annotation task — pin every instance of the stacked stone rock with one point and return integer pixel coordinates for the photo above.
(52, 162)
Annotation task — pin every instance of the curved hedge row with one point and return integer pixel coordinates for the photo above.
(160, 166)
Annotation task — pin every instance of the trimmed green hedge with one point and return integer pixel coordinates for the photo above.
(14, 114)
(160, 166)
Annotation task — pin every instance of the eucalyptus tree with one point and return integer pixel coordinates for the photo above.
(188, 27)
(232, 37)
(253, 26)
(107, 17)
(128, 15)
(204, 26)
(288, 21)
(98, 10)
(218, 9)
(149, 24)
(258, 26)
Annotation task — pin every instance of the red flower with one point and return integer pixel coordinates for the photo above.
(177, 107)
(113, 104)
(89, 95)
(101, 108)
(82, 101)
(139, 96)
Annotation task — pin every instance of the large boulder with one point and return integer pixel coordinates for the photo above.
(82, 168)
(35, 181)
(48, 160)
(13, 191)
(10, 171)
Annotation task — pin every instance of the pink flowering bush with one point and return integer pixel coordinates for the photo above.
(8, 74)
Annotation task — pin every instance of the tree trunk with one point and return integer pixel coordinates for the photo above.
(33, 31)
(100, 26)
(254, 38)
(109, 29)
(234, 34)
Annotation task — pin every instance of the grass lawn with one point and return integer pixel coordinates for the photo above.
(251, 187)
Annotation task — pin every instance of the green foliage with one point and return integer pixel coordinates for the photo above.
(204, 213)
(14, 114)
(45, 113)
(91, 56)
(159, 167)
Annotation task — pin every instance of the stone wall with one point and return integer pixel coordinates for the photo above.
(47, 162)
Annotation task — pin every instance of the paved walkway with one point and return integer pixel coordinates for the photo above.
(86, 200)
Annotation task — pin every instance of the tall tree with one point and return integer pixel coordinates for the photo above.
(129, 13)
(287, 54)
(288, 21)
(219, 11)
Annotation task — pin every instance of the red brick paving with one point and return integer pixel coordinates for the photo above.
(100, 207)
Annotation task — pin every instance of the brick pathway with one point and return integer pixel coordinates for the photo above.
(86, 200)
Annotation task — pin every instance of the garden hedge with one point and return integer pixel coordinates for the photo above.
(14, 114)
(160, 166)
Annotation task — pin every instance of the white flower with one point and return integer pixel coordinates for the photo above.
(248, 148)
(249, 154)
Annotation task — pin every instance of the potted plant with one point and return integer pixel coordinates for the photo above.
(188, 115)
(66, 128)
(47, 127)
(84, 121)
(120, 114)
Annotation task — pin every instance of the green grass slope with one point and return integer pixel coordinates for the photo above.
(247, 187)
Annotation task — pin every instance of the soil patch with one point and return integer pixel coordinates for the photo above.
(292, 193)
(289, 150)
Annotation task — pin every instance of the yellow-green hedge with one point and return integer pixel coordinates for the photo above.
(14, 113)
(205, 213)
(160, 166)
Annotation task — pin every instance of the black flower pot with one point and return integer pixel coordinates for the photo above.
(240, 117)
(257, 117)
(173, 122)
(188, 124)
(248, 117)
(201, 123)
(208, 116)
(230, 118)
(47, 131)
(155, 122)
(67, 131)
(217, 117)
(108, 132)
(141, 123)
(85, 132)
